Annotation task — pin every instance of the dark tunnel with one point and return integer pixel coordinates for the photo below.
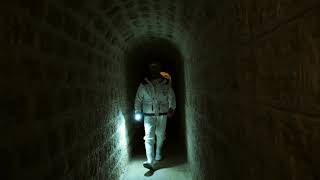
(138, 56)
(245, 74)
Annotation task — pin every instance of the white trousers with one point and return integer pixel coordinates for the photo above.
(154, 126)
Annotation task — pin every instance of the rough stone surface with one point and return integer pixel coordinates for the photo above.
(258, 115)
(251, 77)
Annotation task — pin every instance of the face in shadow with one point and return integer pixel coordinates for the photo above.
(154, 70)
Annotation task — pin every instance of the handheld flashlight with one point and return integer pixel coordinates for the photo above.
(138, 116)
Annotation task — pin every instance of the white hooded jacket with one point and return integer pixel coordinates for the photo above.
(155, 97)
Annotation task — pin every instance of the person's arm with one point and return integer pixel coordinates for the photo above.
(138, 99)
(172, 99)
(172, 102)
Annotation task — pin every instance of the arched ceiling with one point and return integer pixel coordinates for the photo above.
(144, 17)
(130, 19)
(120, 23)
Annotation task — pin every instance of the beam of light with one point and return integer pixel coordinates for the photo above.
(122, 140)
(122, 130)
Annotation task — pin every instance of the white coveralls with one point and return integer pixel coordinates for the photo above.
(155, 98)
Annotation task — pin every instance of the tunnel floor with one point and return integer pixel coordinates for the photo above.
(174, 166)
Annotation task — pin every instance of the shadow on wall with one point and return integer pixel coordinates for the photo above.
(137, 59)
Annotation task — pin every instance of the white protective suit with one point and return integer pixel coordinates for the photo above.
(154, 99)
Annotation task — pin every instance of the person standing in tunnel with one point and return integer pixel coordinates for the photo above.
(155, 98)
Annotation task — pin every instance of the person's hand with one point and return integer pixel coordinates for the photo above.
(170, 113)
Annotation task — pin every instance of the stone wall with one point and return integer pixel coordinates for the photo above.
(257, 116)
(62, 94)
(251, 78)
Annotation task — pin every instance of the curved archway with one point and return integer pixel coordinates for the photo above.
(139, 54)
